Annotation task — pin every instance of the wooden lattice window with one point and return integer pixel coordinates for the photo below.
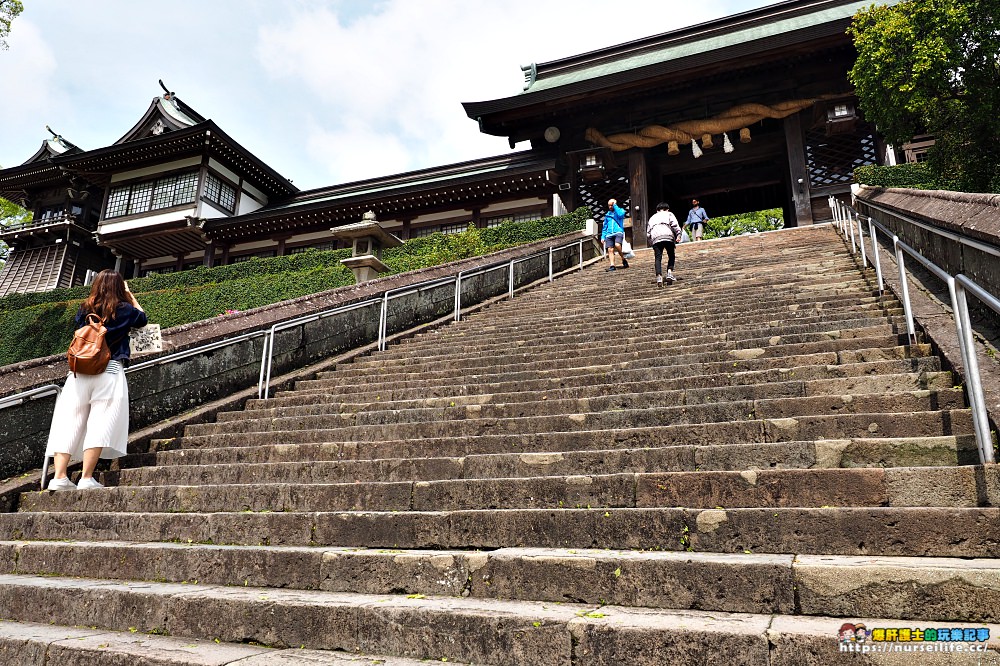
(595, 194)
(832, 159)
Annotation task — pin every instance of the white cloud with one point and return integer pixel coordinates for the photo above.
(28, 89)
(403, 71)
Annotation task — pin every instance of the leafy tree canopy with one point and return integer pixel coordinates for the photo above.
(934, 66)
(9, 10)
(10, 213)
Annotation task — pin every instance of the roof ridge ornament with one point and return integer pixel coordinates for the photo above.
(530, 75)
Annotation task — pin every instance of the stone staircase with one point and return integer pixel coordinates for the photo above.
(723, 471)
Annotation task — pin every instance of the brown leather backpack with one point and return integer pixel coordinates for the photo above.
(88, 353)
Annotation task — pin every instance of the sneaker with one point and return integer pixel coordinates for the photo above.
(624, 262)
(88, 484)
(609, 269)
(670, 277)
(659, 281)
(61, 484)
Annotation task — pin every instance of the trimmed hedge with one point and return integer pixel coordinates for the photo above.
(745, 223)
(40, 324)
(916, 175)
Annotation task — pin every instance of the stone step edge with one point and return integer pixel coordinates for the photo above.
(918, 380)
(896, 487)
(828, 453)
(544, 633)
(703, 530)
(37, 643)
(747, 356)
(466, 419)
(744, 582)
(856, 370)
(910, 381)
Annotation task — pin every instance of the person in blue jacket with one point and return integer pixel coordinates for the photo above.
(613, 233)
(90, 420)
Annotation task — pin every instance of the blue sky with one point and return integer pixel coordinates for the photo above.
(325, 92)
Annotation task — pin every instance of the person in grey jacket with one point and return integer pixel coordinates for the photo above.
(663, 232)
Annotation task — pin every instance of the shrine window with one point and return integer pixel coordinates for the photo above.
(142, 197)
(454, 228)
(220, 192)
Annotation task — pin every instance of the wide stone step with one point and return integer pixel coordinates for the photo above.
(497, 419)
(598, 398)
(617, 382)
(726, 304)
(648, 334)
(438, 628)
(661, 314)
(899, 487)
(627, 343)
(336, 462)
(652, 340)
(721, 360)
(840, 426)
(897, 587)
(861, 531)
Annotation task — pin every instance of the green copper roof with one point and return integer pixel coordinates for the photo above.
(688, 42)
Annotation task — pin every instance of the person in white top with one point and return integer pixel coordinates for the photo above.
(663, 232)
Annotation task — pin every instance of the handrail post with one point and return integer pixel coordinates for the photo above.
(973, 379)
(511, 291)
(861, 242)
(581, 254)
(550, 263)
(458, 296)
(878, 261)
(905, 289)
(854, 246)
(382, 321)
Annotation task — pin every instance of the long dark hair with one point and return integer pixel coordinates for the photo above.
(106, 293)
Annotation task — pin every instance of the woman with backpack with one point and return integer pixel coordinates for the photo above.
(90, 420)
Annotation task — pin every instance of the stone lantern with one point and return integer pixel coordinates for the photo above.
(368, 239)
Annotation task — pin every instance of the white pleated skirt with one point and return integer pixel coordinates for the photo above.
(91, 412)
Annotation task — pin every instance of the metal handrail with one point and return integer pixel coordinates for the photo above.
(267, 353)
(33, 394)
(957, 287)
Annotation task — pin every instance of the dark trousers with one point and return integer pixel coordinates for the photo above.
(658, 255)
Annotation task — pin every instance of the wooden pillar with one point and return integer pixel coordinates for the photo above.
(179, 264)
(405, 233)
(477, 218)
(281, 246)
(137, 269)
(798, 172)
(208, 261)
(224, 259)
(638, 196)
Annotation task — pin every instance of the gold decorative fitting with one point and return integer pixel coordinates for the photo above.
(745, 135)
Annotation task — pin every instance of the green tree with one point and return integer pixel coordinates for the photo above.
(934, 66)
(9, 10)
(10, 214)
(745, 223)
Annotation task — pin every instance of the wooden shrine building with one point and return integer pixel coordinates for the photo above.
(748, 112)
(176, 192)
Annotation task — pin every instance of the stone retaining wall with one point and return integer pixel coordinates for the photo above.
(160, 392)
(972, 216)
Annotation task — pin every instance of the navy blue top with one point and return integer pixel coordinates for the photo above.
(125, 319)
